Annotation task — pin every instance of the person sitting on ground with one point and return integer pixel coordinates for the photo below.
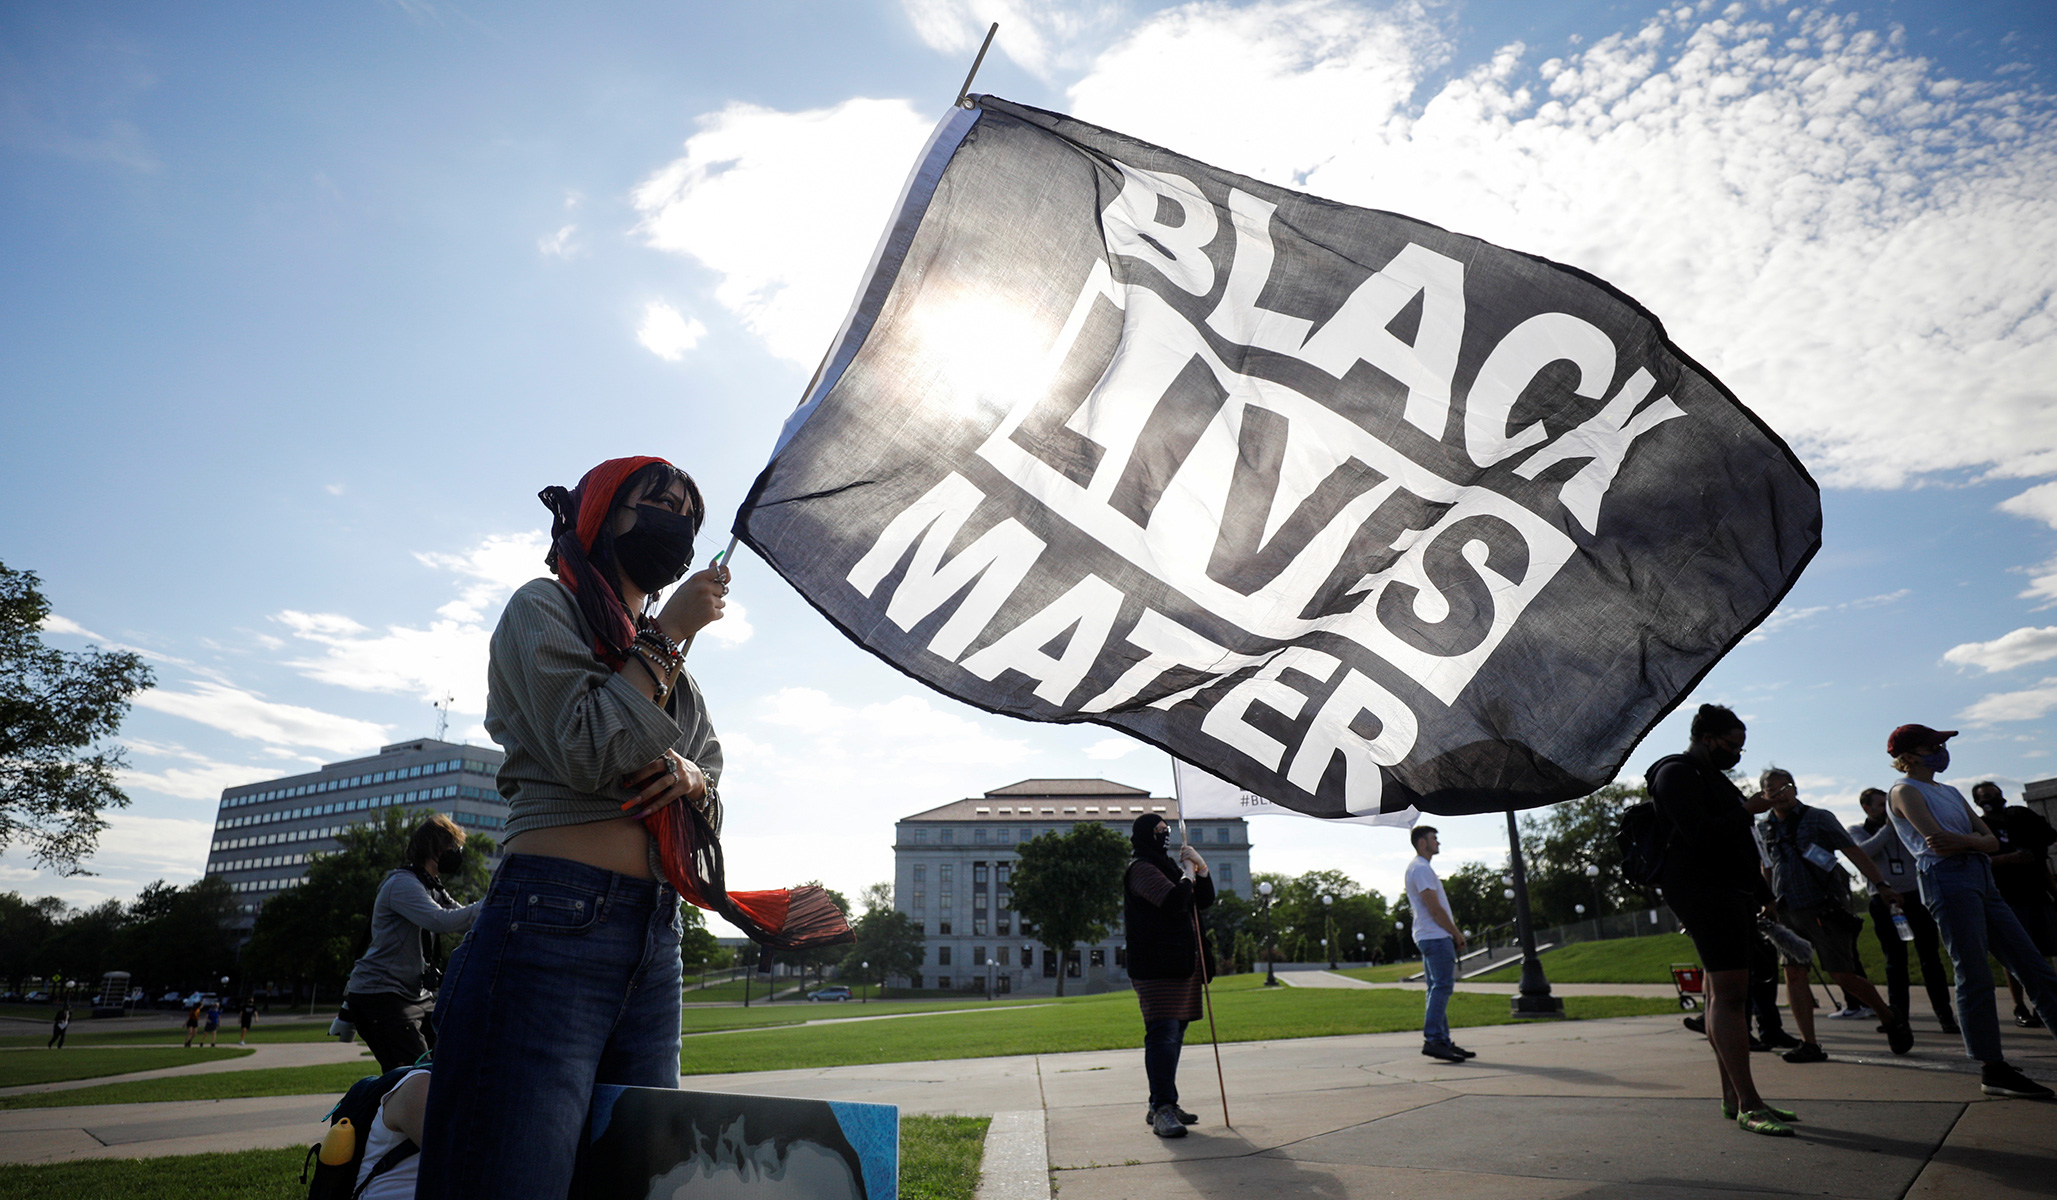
(1440, 941)
(1168, 959)
(1711, 881)
(398, 1124)
(1952, 860)
(1813, 900)
(1877, 838)
(2021, 870)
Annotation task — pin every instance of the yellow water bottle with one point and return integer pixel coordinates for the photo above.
(340, 1145)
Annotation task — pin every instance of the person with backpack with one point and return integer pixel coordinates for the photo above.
(1710, 878)
(391, 986)
(372, 1148)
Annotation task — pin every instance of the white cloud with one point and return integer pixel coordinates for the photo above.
(2030, 704)
(500, 563)
(53, 623)
(250, 716)
(1109, 749)
(745, 200)
(1852, 241)
(197, 778)
(166, 847)
(1038, 36)
(1783, 616)
(2039, 503)
(333, 489)
(2016, 649)
(560, 244)
(667, 334)
(733, 629)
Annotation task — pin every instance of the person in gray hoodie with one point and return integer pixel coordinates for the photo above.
(393, 982)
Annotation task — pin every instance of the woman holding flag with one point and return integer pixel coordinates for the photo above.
(1168, 960)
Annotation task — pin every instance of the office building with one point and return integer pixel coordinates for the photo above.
(952, 863)
(266, 833)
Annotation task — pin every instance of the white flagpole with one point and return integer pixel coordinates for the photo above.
(1200, 962)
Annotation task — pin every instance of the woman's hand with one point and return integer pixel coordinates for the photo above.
(672, 777)
(1191, 858)
(695, 603)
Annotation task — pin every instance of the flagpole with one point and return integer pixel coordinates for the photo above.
(1200, 949)
(975, 64)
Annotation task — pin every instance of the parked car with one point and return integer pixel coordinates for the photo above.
(203, 999)
(171, 1000)
(37, 997)
(10, 997)
(838, 992)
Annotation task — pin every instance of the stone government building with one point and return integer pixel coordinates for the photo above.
(950, 875)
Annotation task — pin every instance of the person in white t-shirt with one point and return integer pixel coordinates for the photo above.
(1437, 937)
(399, 1120)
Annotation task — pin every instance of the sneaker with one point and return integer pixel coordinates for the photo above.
(1442, 1050)
(1696, 1024)
(1184, 1117)
(1757, 1047)
(1762, 1121)
(1999, 1079)
(1900, 1036)
(1854, 1012)
(2026, 1019)
(1459, 1049)
(1805, 1052)
(1729, 1113)
(1165, 1123)
(1779, 1039)
(1950, 1026)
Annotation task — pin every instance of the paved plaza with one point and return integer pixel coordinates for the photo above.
(1610, 1108)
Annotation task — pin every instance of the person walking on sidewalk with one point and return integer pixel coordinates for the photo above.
(249, 1015)
(1952, 850)
(1711, 880)
(1877, 838)
(1167, 958)
(192, 1023)
(1437, 937)
(58, 1028)
(1800, 844)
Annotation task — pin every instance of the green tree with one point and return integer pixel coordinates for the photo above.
(697, 947)
(25, 927)
(83, 944)
(1477, 897)
(1559, 843)
(315, 930)
(54, 708)
(888, 939)
(1067, 887)
(179, 937)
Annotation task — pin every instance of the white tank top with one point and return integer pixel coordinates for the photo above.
(1952, 815)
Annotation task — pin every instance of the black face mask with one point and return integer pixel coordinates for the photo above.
(656, 551)
(1164, 841)
(450, 862)
(1723, 757)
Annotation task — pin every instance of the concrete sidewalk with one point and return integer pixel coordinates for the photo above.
(1330, 979)
(1620, 1108)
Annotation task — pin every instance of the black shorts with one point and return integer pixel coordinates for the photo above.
(1723, 925)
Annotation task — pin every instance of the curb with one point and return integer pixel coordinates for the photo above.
(1016, 1165)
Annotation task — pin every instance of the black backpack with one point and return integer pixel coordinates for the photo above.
(360, 1106)
(1643, 835)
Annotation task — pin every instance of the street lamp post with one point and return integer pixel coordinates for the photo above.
(1534, 999)
(1593, 877)
(1270, 953)
(864, 981)
(1360, 949)
(1328, 916)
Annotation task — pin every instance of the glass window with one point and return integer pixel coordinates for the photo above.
(943, 982)
(978, 836)
(978, 901)
(1004, 952)
(946, 901)
(978, 872)
(978, 927)
(978, 956)
(1227, 872)
(945, 872)
(943, 927)
(1028, 956)
(1002, 927)
(946, 836)
(921, 874)
(920, 836)
(1099, 957)
(920, 902)
(942, 956)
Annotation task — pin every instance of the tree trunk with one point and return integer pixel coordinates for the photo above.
(1063, 962)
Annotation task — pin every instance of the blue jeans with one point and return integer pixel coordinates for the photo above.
(570, 978)
(1959, 893)
(1439, 963)
(1162, 1041)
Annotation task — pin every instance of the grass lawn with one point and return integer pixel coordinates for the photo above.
(83, 1034)
(18, 1067)
(1623, 960)
(939, 1160)
(704, 1020)
(1383, 973)
(221, 1085)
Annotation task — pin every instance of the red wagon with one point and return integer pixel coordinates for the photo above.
(1691, 982)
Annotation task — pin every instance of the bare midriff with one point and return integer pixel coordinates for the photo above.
(620, 845)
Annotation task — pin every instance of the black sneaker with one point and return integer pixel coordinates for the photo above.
(2026, 1019)
(1165, 1123)
(1999, 1079)
(1779, 1039)
(1461, 1050)
(1900, 1036)
(1442, 1050)
(1950, 1026)
(1184, 1117)
(1757, 1047)
(1696, 1024)
(1806, 1052)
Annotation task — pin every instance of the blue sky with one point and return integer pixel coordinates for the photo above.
(303, 305)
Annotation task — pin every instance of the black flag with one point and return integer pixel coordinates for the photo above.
(1350, 510)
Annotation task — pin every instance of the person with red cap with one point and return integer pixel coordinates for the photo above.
(1952, 852)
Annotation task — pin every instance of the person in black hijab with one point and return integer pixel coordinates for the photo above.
(1166, 958)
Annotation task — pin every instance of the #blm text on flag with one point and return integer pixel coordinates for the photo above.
(1351, 511)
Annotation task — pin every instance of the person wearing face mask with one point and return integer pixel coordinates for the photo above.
(1877, 838)
(1167, 958)
(2021, 871)
(393, 982)
(1711, 880)
(571, 976)
(1953, 864)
